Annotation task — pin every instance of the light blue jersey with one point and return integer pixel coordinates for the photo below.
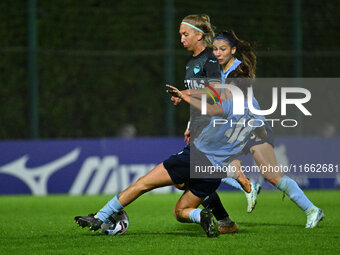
(225, 74)
(219, 142)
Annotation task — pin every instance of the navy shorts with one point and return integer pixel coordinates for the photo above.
(178, 167)
(253, 140)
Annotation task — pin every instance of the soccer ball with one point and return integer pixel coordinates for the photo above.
(116, 224)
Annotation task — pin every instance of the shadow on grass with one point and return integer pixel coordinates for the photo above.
(192, 230)
(150, 234)
(252, 224)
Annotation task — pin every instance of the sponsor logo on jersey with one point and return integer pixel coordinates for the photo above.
(195, 83)
(197, 69)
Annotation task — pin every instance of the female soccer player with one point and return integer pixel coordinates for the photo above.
(176, 169)
(202, 68)
(226, 45)
(196, 34)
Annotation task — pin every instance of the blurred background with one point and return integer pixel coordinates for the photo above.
(91, 68)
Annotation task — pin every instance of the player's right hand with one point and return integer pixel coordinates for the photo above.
(176, 100)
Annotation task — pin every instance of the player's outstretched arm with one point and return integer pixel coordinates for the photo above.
(195, 102)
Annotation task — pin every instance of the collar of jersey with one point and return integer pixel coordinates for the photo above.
(202, 52)
(236, 62)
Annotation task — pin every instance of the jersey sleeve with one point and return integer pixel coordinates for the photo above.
(212, 70)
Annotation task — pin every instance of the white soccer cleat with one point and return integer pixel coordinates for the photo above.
(252, 196)
(314, 216)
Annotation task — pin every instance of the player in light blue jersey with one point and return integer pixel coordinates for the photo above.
(226, 45)
(224, 138)
(186, 209)
(222, 141)
(225, 50)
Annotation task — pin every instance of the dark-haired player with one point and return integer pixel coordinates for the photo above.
(226, 47)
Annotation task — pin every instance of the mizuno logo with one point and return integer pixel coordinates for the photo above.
(97, 174)
(105, 175)
(212, 61)
(36, 178)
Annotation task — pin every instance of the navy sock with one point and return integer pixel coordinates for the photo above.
(214, 202)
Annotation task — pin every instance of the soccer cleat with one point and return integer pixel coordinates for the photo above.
(252, 196)
(227, 226)
(208, 223)
(88, 221)
(314, 217)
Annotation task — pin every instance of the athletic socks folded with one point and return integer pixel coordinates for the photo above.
(195, 215)
(112, 206)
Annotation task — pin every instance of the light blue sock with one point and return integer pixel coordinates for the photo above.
(112, 206)
(195, 215)
(292, 189)
(232, 182)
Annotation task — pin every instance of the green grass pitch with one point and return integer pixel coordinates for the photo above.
(44, 225)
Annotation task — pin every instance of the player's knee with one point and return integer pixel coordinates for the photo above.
(178, 214)
(175, 213)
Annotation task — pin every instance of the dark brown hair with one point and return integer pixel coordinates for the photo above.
(240, 77)
(245, 52)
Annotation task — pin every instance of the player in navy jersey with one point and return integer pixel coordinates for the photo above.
(226, 45)
(196, 34)
(202, 69)
(186, 209)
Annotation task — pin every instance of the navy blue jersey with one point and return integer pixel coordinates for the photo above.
(202, 69)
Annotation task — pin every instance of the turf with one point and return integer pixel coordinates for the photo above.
(44, 225)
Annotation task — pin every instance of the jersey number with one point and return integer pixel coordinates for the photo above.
(238, 132)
